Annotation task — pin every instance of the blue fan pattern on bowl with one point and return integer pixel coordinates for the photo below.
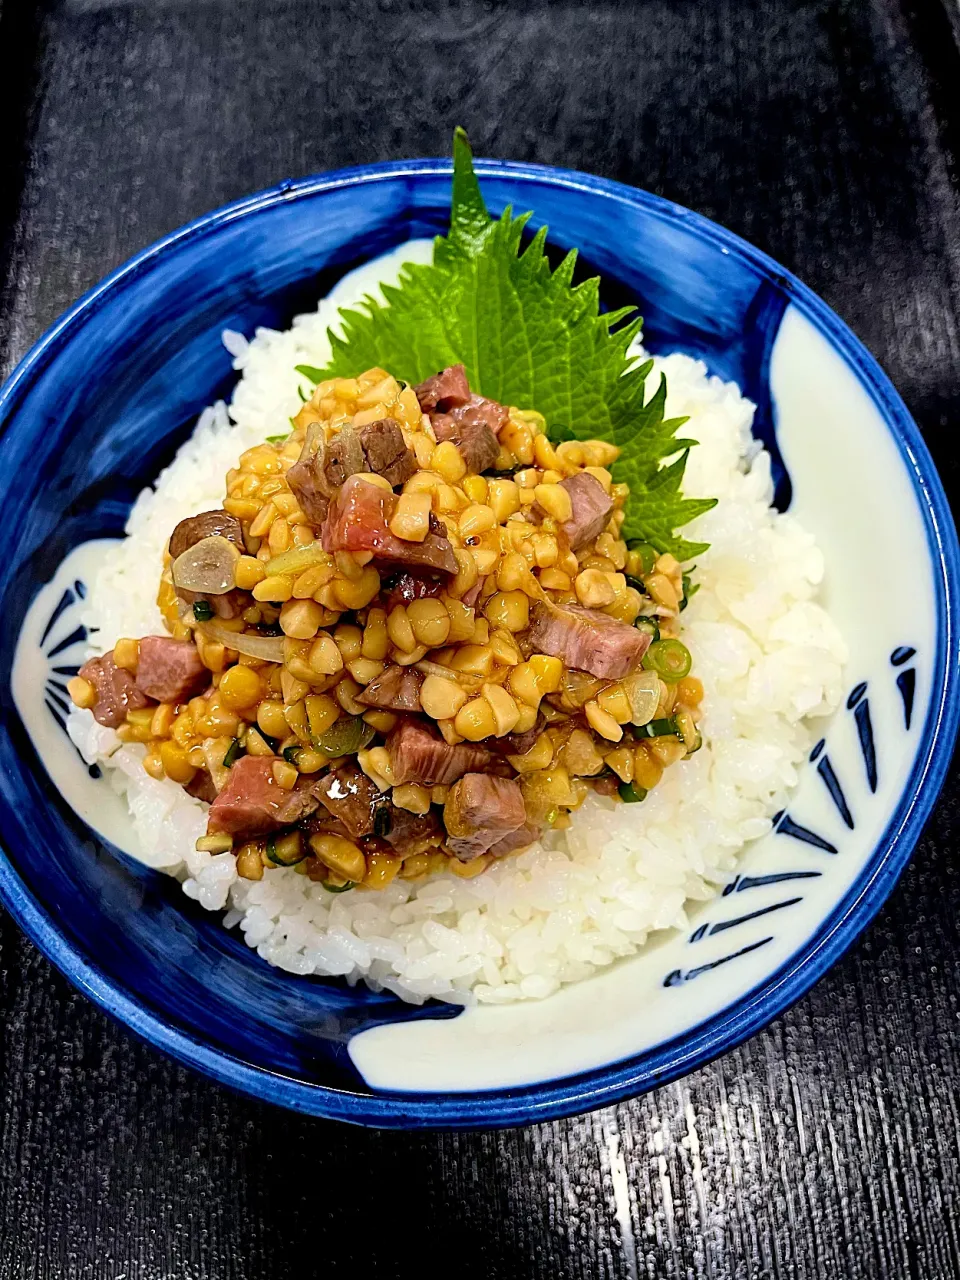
(786, 825)
(56, 698)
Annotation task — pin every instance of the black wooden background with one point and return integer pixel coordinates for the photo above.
(825, 131)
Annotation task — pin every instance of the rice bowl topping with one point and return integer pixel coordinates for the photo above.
(768, 656)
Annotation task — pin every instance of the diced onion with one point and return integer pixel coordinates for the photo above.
(643, 694)
(297, 559)
(266, 648)
(214, 750)
(435, 669)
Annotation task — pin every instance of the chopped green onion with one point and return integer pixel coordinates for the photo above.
(630, 794)
(303, 398)
(279, 439)
(382, 821)
(291, 754)
(670, 659)
(687, 728)
(657, 729)
(310, 371)
(649, 625)
(279, 861)
(202, 611)
(339, 888)
(232, 753)
(345, 737)
(637, 584)
(648, 555)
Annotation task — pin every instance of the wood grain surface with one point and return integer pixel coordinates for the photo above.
(824, 131)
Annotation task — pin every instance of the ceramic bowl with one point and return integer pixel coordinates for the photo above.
(99, 406)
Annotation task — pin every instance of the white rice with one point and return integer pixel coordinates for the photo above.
(769, 657)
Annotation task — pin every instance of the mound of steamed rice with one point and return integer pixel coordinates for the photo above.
(768, 655)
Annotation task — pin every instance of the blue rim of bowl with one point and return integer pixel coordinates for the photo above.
(731, 1026)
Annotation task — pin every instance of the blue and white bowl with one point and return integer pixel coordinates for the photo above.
(100, 405)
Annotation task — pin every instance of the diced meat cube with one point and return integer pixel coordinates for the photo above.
(444, 391)
(194, 529)
(396, 689)
(515, 840)
(477, 412)
(170, 670)
(449, 401)
(306, 479)
(341, 457)
(254, 804)
(322, 822)
(117, 691)
(586, 640)
(402, 588)
(322, 468)
(477, 443)
(410, 833)
(608, 785)
(207, 524)
(518, 744)
(202, 787)
(592, 506)
(481, 410)
(229, 605)
(359, 519)
(307, 487)
(386, 453)
(420, 755)
(480, 811)
(349, 796)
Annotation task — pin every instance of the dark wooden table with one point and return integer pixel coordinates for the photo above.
(825, 131)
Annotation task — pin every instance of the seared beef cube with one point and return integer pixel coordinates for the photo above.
(418, 754)
(349, 795)
(402, 588)
(444, 391)
(322, 468)
(386, 453)
(480, 812)
(170, 670)
(207, 524)
(477, 443)
(592, 506)
(117, 691)
(395, 689)
(359, 519)
(586, 640)
(515, 840)
(254, 804)
(410, 833)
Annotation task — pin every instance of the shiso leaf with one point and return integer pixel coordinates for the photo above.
(530, 337)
